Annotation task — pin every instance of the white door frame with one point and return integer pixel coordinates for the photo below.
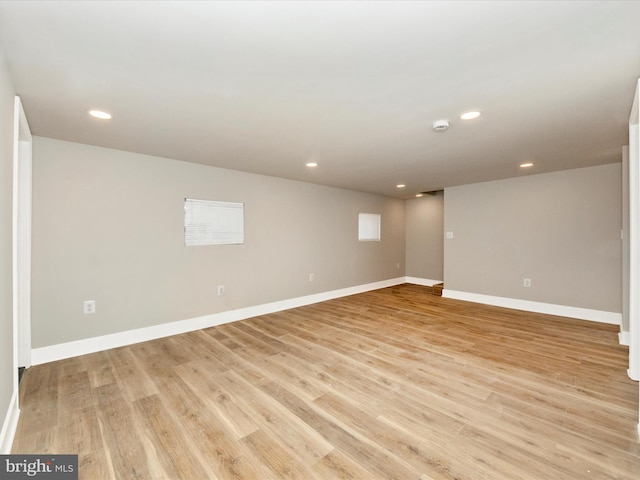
(22, 161)
(634, 241)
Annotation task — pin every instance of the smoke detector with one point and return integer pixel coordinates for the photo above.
(440, 126)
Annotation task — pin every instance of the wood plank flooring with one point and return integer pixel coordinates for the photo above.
(391, 384)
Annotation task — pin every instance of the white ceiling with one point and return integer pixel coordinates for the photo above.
(266, 86)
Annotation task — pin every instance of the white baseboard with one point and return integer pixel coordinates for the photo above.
(612, 318)
(624, 338)
(9, 425)
(422, 281)
(129, 337)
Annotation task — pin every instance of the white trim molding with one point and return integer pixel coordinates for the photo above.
(9, 425)
(612, 318)
(96, 344)
(422, 281)
(21, 225)
(634, 237)
(624, 338)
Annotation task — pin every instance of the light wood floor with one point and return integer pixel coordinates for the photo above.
(395, 383)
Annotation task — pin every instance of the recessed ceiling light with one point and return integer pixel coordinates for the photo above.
(100, 114)
(400, 185)
(526, 165)
(312, 164)
(419, 194)
(470, 115)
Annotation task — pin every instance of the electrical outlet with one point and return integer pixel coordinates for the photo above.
(526, 282)
(449, 235)
(89, 307)
(220, 290)
(311, 277)
(398, 265)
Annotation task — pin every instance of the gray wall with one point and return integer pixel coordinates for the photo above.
(425, 233)
(108, 226)
(561, 230)
(6, 271)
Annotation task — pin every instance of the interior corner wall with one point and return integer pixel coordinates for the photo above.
(425, 233)
(561, 230)
(6, 255)
(108, 226)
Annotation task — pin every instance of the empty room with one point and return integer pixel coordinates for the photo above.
(319, 240)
